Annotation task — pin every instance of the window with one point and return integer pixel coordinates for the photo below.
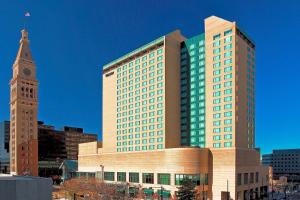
(148, 178)
(239, 179)
(164, 179)
(228, 121)
(227, 76)
(227, 144)
(245, 178)
(216, 101)
(217, 137)
(217, 72)
(216, 65)
(228, 46)
(217, 36)
(228, 91)
(216, 130)
(217, 43)
(227, 129)
(121, 176)
(216, 57)
(228, 136)
(228, 39)
(251, 177)
(134, 177)
(227, 61)
(227, 54)
(228, 32)
(216, 145)
(256, 177)
(216, 51)
(227, 106)
(228, 84)
(227, 99)
(217, 79)
(216, 116)
(198, 179)
(227, 114)
(109, 176)
(217, 108)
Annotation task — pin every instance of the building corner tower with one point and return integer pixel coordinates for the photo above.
(23, 112)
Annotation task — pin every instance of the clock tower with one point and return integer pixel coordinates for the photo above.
(23, 112)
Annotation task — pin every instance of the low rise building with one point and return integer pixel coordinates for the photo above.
(285, 162)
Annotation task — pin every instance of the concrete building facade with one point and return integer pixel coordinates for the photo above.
(23, 112)
(179, 107)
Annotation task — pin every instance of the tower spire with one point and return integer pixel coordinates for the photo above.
(24, 52)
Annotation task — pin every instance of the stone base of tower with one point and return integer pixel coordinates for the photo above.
(27, 160)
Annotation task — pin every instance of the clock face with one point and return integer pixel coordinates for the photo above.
(27, 72)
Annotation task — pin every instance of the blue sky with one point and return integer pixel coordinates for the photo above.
(72, 39)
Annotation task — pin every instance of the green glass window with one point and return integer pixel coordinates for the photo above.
(216, 51)
(227, 99)
(218, 57)
(163, 179)
(217, 72)
(159, 51)
(228, 114)
(228, 46)
(216, 65)
(227, 129)
(227, 61)
(227, 144)
(227, 106)
(121, 176)
(228, 121)
(217, 108)
(217, 43)
(228, 39)
(216, 130)
(217, 137)
(159, 58)
(216, 101)
(216, 145)
(134, 177)
(228, 91)
(148, 178)
(109, 176)
(227, 54)
(194, 177)
(216, 37)
(228, 32)
(217, 79)
(227, 76)
(228, 136)
(216, 116)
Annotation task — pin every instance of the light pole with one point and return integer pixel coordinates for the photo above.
(227, 194)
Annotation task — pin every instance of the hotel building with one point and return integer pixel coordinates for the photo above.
(179, 107)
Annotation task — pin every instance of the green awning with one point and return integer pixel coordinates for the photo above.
(148, 191)
(164, 193)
